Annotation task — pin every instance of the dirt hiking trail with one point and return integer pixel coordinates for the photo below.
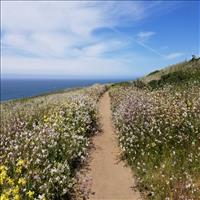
(111, 179)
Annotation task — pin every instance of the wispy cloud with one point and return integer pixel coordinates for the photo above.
(83, 66)
(40, 33)
(74, 22)
(144, 36)
(174, 55)
(135, 40)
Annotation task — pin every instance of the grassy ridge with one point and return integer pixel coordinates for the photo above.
(186, 66)
(158, 123)
(43, 140)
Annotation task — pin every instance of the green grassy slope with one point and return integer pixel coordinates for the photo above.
(183, 67)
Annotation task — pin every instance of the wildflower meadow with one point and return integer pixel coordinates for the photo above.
(43, 141)
(159, 134)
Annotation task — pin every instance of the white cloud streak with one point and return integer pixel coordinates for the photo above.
(144, 36)
(141, 43)
(174, 55)
(86, 67)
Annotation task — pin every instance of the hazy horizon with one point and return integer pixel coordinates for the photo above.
(64, 77)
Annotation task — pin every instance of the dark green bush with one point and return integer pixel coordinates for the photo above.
(139, 84)
(154, 72)
(176, 78)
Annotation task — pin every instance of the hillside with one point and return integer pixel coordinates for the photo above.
(158, 123)
(45, 140)
(184, 67)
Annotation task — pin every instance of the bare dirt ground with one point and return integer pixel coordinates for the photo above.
(111, 179)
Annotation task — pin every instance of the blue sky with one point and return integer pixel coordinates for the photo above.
(109, 39)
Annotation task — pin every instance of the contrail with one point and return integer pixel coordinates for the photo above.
(138, 42)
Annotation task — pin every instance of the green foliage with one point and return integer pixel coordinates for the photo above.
(176, 78)
(154, 72)
(190, 66)
(125, 83)
(139, 84)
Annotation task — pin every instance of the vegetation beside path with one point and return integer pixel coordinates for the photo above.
(43, 141)
(158, 123)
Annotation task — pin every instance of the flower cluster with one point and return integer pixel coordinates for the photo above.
(43, 140)
(15, 188)
(159, 133)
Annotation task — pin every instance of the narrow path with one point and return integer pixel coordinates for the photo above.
(111, 179)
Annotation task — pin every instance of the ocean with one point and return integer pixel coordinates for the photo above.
(21, 88)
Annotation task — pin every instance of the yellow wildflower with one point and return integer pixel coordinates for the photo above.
(4, 197)
(10, 181)
(19, 170)
(22, 181)
(20, 162)
(30, 194)
(46, 119)
(3, 168)
(16, 197)
(8, 192)
(15, 190)
(3, 174)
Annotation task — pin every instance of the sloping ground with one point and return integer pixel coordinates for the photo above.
(183, 66)
(111, 179)
(43, 141)
(158, 126)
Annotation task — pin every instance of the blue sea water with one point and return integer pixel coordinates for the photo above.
(20, 88)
